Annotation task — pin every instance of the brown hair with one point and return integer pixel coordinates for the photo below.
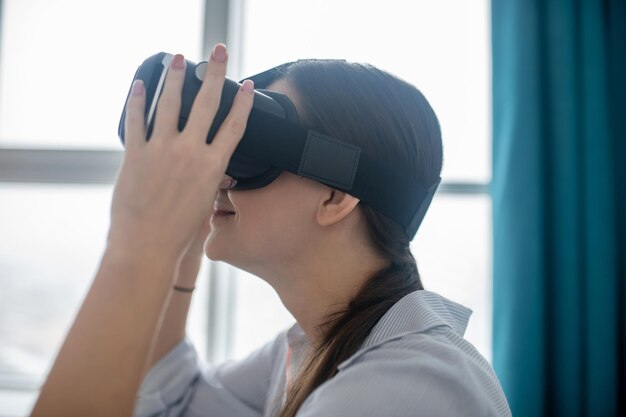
(389, 118)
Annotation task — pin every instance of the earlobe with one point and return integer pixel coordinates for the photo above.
(336, 207)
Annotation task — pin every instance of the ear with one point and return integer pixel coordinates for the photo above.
(334, 207)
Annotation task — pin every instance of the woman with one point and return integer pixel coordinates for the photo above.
(369, 340)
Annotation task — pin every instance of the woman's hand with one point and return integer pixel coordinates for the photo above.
(166, 186)
(164, 191)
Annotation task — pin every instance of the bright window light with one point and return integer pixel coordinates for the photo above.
(66, 65)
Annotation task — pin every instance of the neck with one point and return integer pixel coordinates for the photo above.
(323, 281)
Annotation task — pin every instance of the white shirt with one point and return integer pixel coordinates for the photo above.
(414, 362)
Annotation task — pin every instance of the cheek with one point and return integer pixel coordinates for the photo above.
(262, 232)
(272, 232)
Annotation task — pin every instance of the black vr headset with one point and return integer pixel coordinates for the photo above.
(274, 142)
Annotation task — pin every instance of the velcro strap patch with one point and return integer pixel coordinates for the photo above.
(329, 161)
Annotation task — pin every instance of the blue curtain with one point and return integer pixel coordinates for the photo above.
(559, 208)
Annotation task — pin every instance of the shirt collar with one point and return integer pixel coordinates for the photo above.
(296, 337)
(416, 312)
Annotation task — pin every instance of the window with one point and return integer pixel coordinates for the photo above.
(59, 157)
(52, 59)
(65, 69)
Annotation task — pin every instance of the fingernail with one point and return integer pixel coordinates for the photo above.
(219, 52)
(178, 62)
(247, 86)
(137, 88)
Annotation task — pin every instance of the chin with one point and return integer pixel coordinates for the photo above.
(214, 255)
(218, 250)
(213, 250)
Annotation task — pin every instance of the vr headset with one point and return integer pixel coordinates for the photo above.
(274, 142)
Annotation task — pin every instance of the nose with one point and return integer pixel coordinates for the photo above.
(227, 183)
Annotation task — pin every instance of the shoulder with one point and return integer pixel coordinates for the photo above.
(262, 361)
(429, 374)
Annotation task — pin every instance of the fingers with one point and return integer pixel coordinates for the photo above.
(232, 129)
(168, 109)
(134, 122)
(207, 100)
(205, 105)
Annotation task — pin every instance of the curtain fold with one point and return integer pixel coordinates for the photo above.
(559, 205)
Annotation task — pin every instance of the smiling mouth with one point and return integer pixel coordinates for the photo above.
(223, 213)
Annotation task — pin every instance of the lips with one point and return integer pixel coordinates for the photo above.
(222, 213)
(221, 210)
